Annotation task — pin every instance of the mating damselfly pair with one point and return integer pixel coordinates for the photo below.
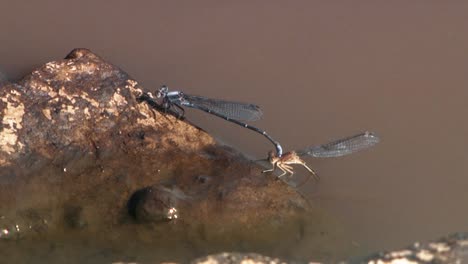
(237, 112)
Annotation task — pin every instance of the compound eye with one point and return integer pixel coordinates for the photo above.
(162, 91)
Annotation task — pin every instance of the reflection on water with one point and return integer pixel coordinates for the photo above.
(24, 224)
(313, 237)
(87, 215)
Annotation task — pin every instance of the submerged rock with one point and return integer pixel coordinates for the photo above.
(76, 143)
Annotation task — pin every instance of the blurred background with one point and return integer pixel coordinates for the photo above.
(320, 70)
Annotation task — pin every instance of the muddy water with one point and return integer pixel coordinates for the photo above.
(319, 71)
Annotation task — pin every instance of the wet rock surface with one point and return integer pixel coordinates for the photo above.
(80, 149)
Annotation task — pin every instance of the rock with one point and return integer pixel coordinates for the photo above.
(238, 258)
(77, 142)
(156, 204)
(450, 249)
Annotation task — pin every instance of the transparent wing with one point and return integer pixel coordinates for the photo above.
(342, 146)
(234, 110)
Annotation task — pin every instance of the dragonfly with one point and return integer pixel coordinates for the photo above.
(337, 148)
(234, 112)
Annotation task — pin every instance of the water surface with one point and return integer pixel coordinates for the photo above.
(319, 70)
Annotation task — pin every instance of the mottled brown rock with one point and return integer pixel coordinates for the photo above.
(76, 144)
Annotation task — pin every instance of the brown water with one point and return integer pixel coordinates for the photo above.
(319, 70)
